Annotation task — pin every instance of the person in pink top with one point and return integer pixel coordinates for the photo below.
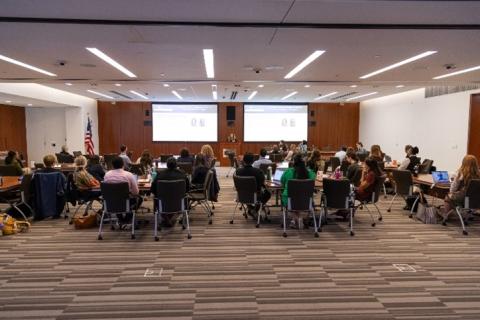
(119, 175)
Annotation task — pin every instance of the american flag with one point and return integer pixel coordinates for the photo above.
(89, 147)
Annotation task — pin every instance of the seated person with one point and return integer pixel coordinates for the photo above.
(303, 147)
(275, 149)
(262, 159)
(119, 175)
(82, 178)
(66, 156)
(12, 159)
(342, 153)
(360, 148)
(298, 171)
(411, 160)
(95, 168)
(291, 152)
(171, 173)
(371, 173)
(467, 172)
(146, 161)
(313, 163)
(124, 156)
(185, 156)
(200, 171)
(354, 171)
(376, 153)
(249, 171)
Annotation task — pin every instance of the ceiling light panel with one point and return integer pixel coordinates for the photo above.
(304, 63)
(457, 72)
(100, 94)
(362, 96)
(111, 62)
(289, 95)
(26, 65)
(175, 93)
(139, 94)
(326, 95)
(208, 60)
(253, 94)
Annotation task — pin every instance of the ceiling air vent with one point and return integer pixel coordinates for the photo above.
(233, 96)
(442, 90)
(344, 95)
(120, 94)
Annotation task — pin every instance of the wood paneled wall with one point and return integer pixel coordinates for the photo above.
(128, 123)
(474, 127)
(13, 133)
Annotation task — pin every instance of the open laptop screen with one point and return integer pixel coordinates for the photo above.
(440, 177)
(278, 174)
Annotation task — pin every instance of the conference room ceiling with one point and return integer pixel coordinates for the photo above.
(172, 55)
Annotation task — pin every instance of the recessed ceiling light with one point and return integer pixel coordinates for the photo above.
(118, 84)
(353, 86)
(139, 94)
(362, 96)
(100, 94)
(68, 84)
(304, 63)
(208, 59)
(8, 101)
(214, 92)
(326, 95)
(30, 105)
(289, 95)
(261, 85)
(26, 65)
(177, 95)
(111, 62)
(457, 72)
(253, 94)
(307, 86)
(166, 85)
(398, 64)
(400, 86)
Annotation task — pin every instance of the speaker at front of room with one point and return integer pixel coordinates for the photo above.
(230, 113)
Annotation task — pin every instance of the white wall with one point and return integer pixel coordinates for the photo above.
(438, 125)
(44, 127)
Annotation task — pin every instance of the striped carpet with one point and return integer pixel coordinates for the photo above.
(240, 272)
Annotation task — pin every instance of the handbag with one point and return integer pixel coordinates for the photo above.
(425, 212)
(85, 222)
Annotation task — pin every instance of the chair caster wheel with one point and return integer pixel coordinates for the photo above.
(183, 227)
(316, 235)
(380, 219)
(100, 238)
(465, 223)
(257, 226)
(157, 238)
(189, 236)
(319, 230)
(70, 222)
(389, 210)
(231, 221)
(132, 236)
(210, 221)
(213, 207)
(112, 228)
(284, 234)
(373, 224)
(465, 232)
(410, 216)
(352, 233)
(444, 223)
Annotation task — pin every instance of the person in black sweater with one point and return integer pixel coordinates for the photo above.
(354, 171)
(200, 171)
(185, 156)
(249, 171)
(95, 168)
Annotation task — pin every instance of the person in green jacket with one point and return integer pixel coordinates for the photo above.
(13, 160)
(298, 171)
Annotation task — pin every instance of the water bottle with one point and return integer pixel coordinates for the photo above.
(269, 173)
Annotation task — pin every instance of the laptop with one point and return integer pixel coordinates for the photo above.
(278, 175)
(440, 177)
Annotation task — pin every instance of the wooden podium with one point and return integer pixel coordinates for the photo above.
(226, 147)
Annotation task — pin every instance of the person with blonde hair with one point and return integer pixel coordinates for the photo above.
(207, 152)
(81, 177)
(467, 172)
(291, 152)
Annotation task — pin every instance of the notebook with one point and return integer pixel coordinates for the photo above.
(440, 177)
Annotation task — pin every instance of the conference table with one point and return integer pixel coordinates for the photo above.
(276, 188)
(10, 183)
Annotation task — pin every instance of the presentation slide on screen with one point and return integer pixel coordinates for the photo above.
(184, 122)
(275, 122)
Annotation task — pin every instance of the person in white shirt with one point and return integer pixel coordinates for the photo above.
(341, 154)
(262, 159)
(126, 159)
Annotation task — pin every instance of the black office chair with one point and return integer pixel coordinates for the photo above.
(264, 167)
(18, 200)
(171, 199)
(426, 166)
(246, 188)
(276, 157)
(8, 171)
(39, 165)
(116, 200)
(300, 198)
(186, 167)
(374, 199)
(164, 157)
(233, 162)
(337, 194)
(107, 159)
(79, 198)
(334, 162)
(49, 194)
(137, 169)
(403, 187)
(202, 196)
(64, 158)
(471, 203)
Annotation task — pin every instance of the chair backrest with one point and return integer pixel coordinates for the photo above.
(170, 195)
(25, 186)
(264, 167)
(344, 167)
(108, 158)
(77, 153)
(300, 194)
(164, 157)
(39, 165)
(246, 189)
(378, 188)
(426, 166)
(207, 184)
(8, 171)
(115, 197)
(336, 193)
(472, 195)
(137, 169)
(334, 162)
(276, 157)
(64, 158)
(186, 167)
(357, 176)
(403, 182)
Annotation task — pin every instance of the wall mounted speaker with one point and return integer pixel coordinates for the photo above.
(231, 113)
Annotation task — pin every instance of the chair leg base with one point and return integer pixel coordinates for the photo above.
(210, 221)
(285, 235)
(380, 219)
(316, 235)
(132, 236)
(189, 236)
(373, 224)
(389, 210)
(352, 233)
(231, 221)
(465, 232)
